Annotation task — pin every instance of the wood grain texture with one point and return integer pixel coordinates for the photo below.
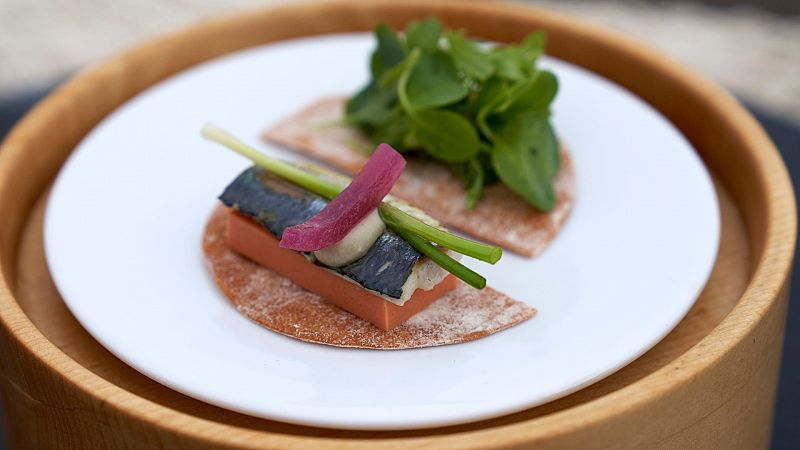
(709, 384)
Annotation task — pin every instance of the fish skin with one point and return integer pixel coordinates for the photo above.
(278, 204)
(262, 196)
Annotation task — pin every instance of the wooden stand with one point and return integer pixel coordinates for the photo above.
(709, 384)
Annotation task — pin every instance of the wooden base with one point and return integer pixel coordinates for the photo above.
(709, 384)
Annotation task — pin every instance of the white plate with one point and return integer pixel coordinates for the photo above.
(125, 217)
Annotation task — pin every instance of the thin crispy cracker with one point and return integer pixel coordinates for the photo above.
(277, 303)
(501, 217)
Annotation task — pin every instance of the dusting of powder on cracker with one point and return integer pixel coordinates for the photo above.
(276, 302)
(501, 217)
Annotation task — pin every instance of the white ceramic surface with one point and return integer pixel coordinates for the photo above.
(125, 217)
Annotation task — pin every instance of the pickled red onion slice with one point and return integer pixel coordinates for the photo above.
(347, 209)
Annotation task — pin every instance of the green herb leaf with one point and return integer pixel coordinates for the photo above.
(445, 135)
(525, 156)
(424, 34)
(494, 92)
(534, 94)
(545, 143)
(532, 47)
(475, 62)
(485, 111)
(371, 106)
(507, 63)
(517, 62)
(394, 131)
(389, 52)
(434, 82)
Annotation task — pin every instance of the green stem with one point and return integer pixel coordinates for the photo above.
(442, 259)
(396, 218)
(409, 63)
(295, 175)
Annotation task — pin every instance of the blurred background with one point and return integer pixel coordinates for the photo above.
(750, 46)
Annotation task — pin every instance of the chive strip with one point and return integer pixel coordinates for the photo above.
(399, 219)
(296, 175)
(442, 259)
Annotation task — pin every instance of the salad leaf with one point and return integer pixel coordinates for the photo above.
(469, 57)
(532, 47)
(424, 34)
(371, 106)
(389, 52)
(533, 93)
(494, 92)
(445, 135)
(483, 110)
(517, 62)
(396, 131)
(433, 82)
(525, 157)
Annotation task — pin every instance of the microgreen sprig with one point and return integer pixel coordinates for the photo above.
(483, 110)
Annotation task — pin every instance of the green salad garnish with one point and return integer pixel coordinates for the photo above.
(485, 111)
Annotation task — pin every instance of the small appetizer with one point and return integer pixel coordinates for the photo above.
(292, 241)
(473, 122)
